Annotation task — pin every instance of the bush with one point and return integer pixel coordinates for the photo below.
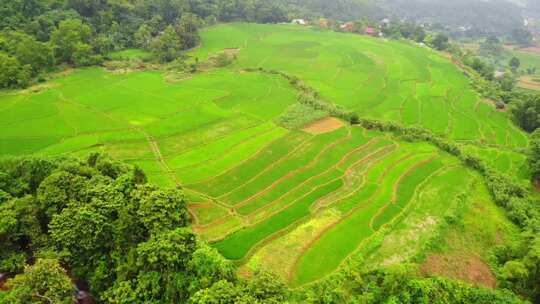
(223, 59)
(12, 73)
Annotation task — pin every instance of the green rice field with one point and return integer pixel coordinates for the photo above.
(254, 186)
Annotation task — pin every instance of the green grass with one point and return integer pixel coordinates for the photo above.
(370, 76)
(129, 54)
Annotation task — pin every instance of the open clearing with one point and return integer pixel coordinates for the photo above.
(297, 201)
(324, 125)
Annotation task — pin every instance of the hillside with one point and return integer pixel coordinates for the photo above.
(274, 182)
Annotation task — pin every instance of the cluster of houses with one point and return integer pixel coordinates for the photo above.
(350, 27)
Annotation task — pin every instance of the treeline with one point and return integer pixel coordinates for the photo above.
(68, 226)
(36, 36)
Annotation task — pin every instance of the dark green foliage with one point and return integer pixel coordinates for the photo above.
(483, 68)
(106, 225)
(533, 158)
(491, 47)
(440, 42)
(525, 109)
(27, 50)
(12, 73)
(42, 283)
(398, 284)
(522, 36)
(514, 63)
(167, 46)
(37, 35)
(71, 37)
(263, 288)
(507, 82)
(223, 60)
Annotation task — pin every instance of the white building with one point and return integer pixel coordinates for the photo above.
(299, 22)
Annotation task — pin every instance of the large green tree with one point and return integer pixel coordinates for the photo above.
(525, 109)
(12, 73)
(44, 282)
(168, 45)
(71, 36)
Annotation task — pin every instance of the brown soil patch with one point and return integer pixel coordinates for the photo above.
(231, 51)
(528, 82)
(324, 125)
(532, 49)
(461, 266)
(200, 205)
(510, 47)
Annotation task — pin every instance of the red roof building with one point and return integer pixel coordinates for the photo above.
(370, 31)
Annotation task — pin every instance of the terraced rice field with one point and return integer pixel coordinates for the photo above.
(377, 78)
(299, 201)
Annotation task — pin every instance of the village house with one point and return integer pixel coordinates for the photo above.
(348, 27)
(299, 21)
(371, 31)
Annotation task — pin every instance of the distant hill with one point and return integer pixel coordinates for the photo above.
(478, 17)
(336, 9)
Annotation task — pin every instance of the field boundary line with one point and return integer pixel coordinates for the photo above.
(347, 215)
(365, 171)
(248, 160)
(396, 188)
(376, 234)
(309, 165)
(223, 155)
(400, 215)
(360, 186)
(312, 189)
(205, 143)
(333, 167)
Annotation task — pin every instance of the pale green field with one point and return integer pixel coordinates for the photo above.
(251, 182)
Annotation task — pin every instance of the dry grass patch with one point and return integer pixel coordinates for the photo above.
(325, 125)
(461, 266)
(532, 49)
(529, 82)
(281, 254)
